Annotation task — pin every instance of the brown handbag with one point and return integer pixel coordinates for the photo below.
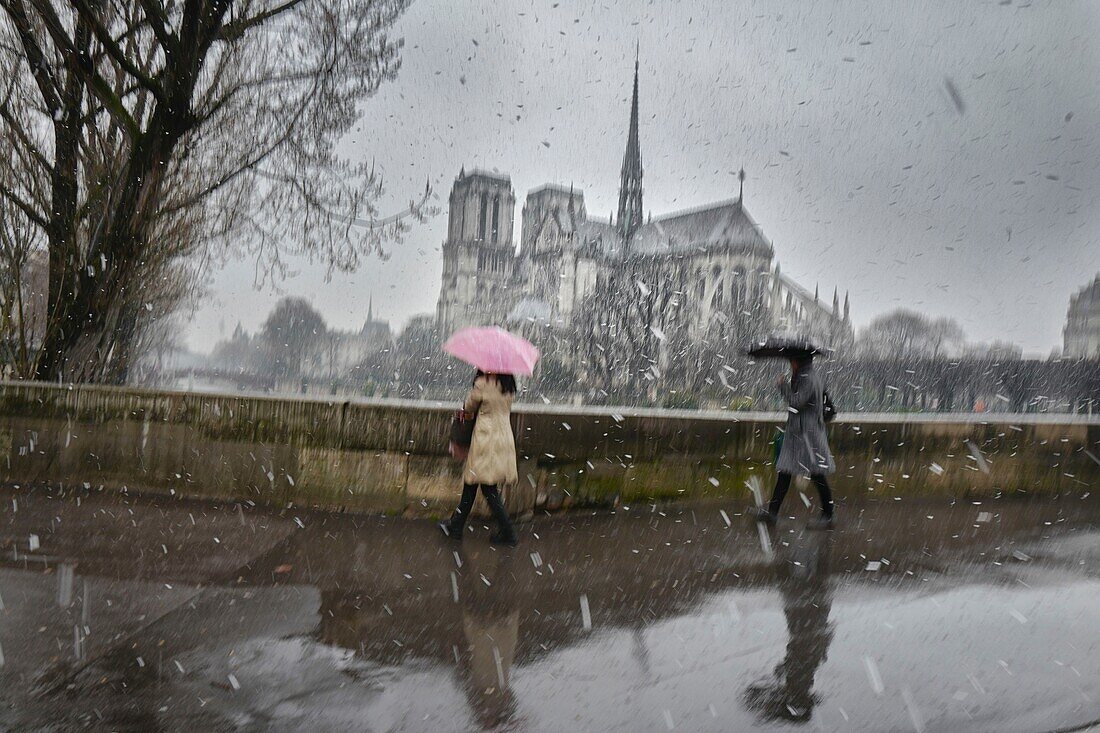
(462, 428)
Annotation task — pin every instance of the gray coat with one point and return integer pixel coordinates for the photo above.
(805, 444)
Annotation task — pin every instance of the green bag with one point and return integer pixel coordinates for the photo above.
(777, 445)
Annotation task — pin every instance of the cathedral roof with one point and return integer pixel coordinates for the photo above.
(601, 236)
(480, 173)
(555, 188)
(567, 221)
(725, 224)
(375, 329)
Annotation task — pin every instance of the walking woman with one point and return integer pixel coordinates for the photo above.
(805, 448)
(491, 462)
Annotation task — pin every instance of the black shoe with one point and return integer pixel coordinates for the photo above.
(763, 516)
(450, 531)
(822, 523)
(501, 538)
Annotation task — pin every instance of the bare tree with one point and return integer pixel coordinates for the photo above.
(143, 140)
(635, 337)
(622, 332)
(906, 334)
(421, 369)
(292, 333)
(945, 336)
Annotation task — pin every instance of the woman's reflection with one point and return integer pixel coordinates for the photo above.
(490, 626)
(802, 573)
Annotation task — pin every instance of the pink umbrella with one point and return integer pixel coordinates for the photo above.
(493, 350)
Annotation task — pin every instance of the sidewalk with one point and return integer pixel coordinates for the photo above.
(914, 615)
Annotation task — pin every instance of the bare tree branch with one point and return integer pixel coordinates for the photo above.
(23, 206)
(78, 62)
(233, 31)
(158, 21)
(91, 17)
(36, 58)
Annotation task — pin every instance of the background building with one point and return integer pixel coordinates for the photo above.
(335, 354)
(1082, 332)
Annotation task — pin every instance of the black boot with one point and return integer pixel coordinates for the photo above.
(501, 538)
(450, 530)
(763, 516)
(453, 527)
(505, 534)
(824, 522)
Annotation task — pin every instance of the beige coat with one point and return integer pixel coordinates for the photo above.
(492, 458)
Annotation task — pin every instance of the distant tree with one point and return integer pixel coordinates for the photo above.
(142, 140)
(906, 334)
(236, 354)
(553, 377)
(945, 336)
(421, 368)
(620, 335)
(714, 365)
(996, 350)
(289, 335)
(894, 333)
(634, 338)
(373, 375)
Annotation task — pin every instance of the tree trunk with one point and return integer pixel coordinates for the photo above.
(61, 233)
(88, 287)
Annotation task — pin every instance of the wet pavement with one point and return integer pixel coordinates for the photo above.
(121, 613)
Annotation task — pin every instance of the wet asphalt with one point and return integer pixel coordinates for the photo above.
(136, 614)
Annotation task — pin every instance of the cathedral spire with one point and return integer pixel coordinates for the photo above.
(630, 186)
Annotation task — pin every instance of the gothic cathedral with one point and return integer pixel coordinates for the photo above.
(712, 261)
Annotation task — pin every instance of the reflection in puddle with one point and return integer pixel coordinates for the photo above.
(490, 625)
(802, 575)
(480, 623)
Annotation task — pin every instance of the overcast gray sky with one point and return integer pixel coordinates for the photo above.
(863, 170)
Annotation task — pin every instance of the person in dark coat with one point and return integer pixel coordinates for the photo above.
(805, 448)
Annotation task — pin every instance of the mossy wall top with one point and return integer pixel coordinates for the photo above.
(1049, 451)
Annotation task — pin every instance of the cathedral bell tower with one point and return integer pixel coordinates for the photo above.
(479, 252)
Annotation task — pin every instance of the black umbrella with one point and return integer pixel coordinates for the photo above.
(786, 347)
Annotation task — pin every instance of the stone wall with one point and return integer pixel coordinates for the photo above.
(391, 455)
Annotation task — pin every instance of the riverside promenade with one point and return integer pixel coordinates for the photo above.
(178, 561)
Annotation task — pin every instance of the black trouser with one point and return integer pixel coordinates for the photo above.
(496, 506)
(783, 484)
